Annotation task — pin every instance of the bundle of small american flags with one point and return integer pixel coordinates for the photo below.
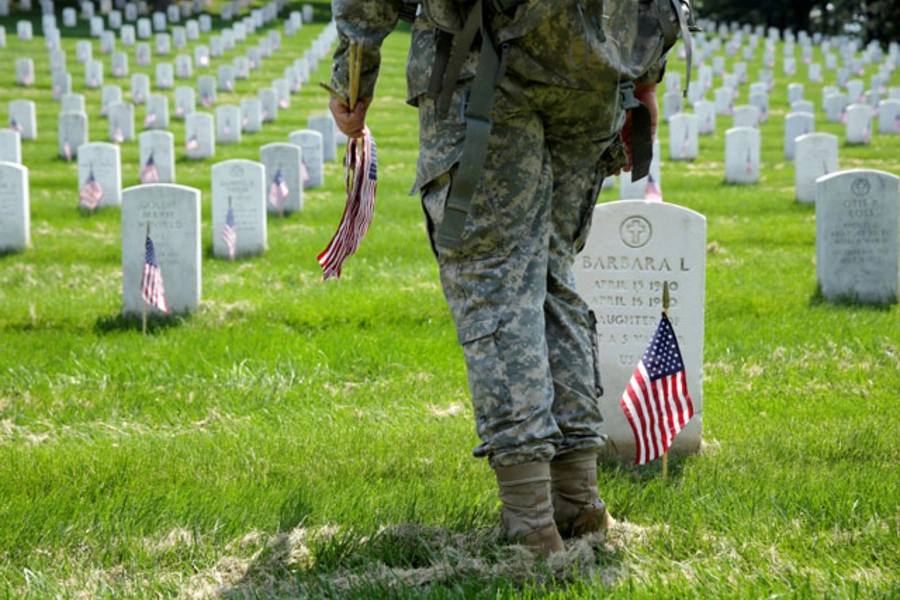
(361, 171)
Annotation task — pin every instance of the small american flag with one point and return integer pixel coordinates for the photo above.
(150, 119)
(895, 126)
(138, 98)
(91, 194)
(206, 100)
(16, 126)
(652, 191)
(749, 164)
(27, 80)
(226, 130)
(193, 143)
(179, 110)
(118, 136)
(656, 400)
(304, 170)
(229, 234)
(686, 146)
(278, 191)
(867, 134)
(204, 61)
(67, 150)
(150, 172)
(229, 85)
(361, 174)
(94, 82)
(152, 290)
(57, 92)
(283, 103)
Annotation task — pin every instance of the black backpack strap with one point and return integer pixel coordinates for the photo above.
(462, 44)
(491, 65)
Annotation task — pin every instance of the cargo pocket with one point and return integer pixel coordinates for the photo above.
(595, 350)
(488, 383)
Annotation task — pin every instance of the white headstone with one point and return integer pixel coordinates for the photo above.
(859, 124)
(179, 37)
(72, 103)
(15, 206)
(310, 143)
(324, 124)
(120, 65)
(835, 108)
(156, 115)
(857, 233)
(111, 94)
(163, 44)
(284, 173)
(25, 72)
(201, 57)
(62, 85)
(815, 155)
(634, 247)
(761, 101)
(795, 125)
(269, 101)
(307, 13)
(241, 67)
(746, 115)
(103, 161)
(10, 147)
(140, 88)
(128, 35)
(84, 51)
(228, 124)
(206, 90)
(156, 149)
(165, 76)
(72, 132)
(251, 115)
(200, 141)
(683, 132)
(121, 122)
(142, 54)
(225, 77)
(706, 117)
(69, 17)
(742, 148)
(185, 103)
(889, 116)
(803, 106)
(22, 118)
(216, 47)
(25, 31)
(238, 185)
(173, 212)
(144, 29)
(724, 100)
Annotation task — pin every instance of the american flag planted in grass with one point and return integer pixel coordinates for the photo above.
(91, 193)
(656, 401)
(361, 171)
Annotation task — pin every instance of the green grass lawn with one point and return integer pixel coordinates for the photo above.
(297, 438)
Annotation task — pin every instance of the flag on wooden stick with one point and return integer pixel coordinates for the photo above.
(361, 172)
(278, 191)
(656, 400)
(152, 290)
(91, 194)
(150, 172)
(229, 233)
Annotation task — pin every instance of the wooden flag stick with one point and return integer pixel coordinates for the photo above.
(665, 300)
(144, 302)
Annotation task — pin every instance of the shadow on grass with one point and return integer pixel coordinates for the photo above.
(819, 300)
(417, 561)
(121, 322)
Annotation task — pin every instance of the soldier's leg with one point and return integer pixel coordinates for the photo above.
(495, 284)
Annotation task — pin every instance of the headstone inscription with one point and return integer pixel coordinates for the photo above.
(857, 233)
(634, 247)
(172, 213)
(238, 188)
(15, 206)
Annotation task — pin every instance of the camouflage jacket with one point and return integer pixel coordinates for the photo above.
(582, 44)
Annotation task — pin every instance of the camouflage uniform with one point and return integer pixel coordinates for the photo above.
(529, 339)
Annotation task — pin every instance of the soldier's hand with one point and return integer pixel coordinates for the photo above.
(646, 94)
(351, 123)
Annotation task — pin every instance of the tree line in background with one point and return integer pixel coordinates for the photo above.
(873, 19)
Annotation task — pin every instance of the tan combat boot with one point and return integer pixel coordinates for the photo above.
(577, 507)
(527, 509)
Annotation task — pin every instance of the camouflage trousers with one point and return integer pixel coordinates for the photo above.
(529, 339)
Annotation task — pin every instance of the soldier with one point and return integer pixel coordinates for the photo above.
(522, 105)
